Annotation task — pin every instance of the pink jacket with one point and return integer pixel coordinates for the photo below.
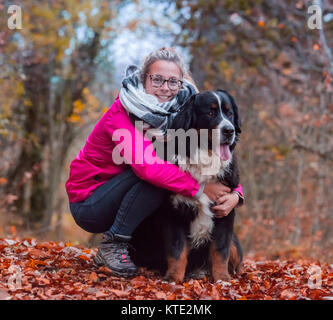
(93, 166)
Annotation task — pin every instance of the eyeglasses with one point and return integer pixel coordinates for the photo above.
(158, 81)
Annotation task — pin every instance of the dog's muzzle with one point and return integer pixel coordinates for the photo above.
(227, 134)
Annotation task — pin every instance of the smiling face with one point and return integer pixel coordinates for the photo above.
(166, 70)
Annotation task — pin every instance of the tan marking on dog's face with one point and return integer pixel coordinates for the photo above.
(213, 105)
(219, 266)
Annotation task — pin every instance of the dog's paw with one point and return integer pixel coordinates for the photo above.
(239, 269)
(177, 277)
(221, 276)
(198, 274)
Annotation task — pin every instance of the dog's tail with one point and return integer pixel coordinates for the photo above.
(235, 264)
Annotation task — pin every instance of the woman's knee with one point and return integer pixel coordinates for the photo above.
(94, 218)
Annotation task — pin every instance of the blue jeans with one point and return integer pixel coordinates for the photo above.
(119, 205)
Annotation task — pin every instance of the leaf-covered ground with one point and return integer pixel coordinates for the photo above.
(51, 270)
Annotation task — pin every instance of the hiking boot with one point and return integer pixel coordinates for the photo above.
(113, 253)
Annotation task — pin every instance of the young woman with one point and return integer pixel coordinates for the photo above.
(112, 198)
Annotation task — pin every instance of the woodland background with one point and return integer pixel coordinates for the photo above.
(62, 70)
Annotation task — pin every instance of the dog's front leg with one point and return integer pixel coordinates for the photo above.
(220, 247)
(177, 266)
(219, 259)
(177, 250)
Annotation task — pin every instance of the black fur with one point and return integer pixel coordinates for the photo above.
(165, 233)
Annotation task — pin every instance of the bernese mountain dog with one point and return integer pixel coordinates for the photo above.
(184, 236)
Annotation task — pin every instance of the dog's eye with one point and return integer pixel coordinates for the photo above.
(228, 113)
(211, 113)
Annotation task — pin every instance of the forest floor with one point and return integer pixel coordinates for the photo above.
(32, 270)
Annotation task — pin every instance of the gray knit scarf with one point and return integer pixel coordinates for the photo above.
(146, 107)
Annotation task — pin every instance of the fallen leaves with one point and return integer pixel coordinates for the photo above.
(58, 271)
(4, 294)
(288, 294)
(93, 277)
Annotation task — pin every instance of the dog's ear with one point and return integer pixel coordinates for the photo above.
(186, 117)
(238, 122)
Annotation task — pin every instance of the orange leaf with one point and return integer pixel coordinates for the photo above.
(64, 264)
(43, 281)
(36, 253)
(315, 47)
(43, 263)
(105, 270)
(81, 256)
(93, 277)
(4, 294)
(261, 23)
(172, 297)
(288, 294)
(101, 294)
(33, 263)
(13, 230)
(160, 295)
(267, 284)
(119, 293)
(286, 71)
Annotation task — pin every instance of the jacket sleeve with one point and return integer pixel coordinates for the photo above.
(239, 191)
(139, 153)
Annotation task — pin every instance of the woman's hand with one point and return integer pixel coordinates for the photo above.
(225, 204)
(215, 191)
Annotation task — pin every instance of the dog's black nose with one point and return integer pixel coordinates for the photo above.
(227, 131)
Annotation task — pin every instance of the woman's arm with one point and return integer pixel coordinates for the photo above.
(139, 153)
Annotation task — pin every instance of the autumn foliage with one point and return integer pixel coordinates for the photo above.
(57, 78)
(280, 73)
(51, 270)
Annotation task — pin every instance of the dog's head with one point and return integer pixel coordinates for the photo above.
(212, 110)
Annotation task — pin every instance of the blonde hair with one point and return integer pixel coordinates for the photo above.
(166, 54)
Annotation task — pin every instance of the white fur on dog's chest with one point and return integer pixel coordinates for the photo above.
(202, 226)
